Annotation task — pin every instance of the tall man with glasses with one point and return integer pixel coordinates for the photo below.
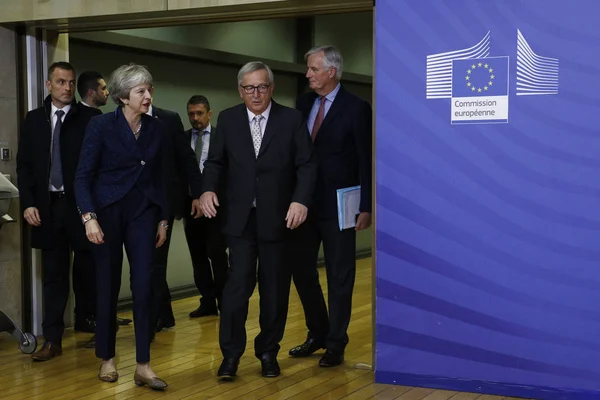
(265, 152)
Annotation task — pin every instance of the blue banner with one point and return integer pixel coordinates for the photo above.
(488, 196)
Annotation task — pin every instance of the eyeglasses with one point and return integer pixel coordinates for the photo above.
(249, 89)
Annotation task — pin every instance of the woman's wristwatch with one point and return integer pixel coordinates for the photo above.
(164, 225)
(88, 217)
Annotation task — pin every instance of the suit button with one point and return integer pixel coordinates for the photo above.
(143, 162)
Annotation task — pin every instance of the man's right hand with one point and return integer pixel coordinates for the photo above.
(32, 216)
(208, 203)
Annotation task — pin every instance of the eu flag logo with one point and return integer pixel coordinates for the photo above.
(480, 77)
(480, 90)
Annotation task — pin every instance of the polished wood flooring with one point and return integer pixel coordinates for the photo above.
(188, 357)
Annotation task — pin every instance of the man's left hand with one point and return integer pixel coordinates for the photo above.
(296, 215)
(363, 221)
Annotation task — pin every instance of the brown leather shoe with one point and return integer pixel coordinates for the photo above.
(153, 383)
(48, 351)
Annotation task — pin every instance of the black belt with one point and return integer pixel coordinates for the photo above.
(57, 195)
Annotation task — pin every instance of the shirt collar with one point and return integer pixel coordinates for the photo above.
(54, 109)
(85, 104)
(333, 93)
(265, 113)
(205, 130)
(150, 110)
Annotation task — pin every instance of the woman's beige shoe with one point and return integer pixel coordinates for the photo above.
(111, 376)
(153, 383)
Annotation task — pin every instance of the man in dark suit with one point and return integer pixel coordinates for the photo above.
(182, 176)
(264, 150)
(49, 148)
(204, 236)
(340, 126)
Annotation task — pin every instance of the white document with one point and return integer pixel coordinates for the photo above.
(348, 203)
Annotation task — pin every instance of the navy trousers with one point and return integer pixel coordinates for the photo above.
(131, 223)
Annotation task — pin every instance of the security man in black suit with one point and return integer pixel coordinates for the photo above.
(205, 239)
(183, 176)
(47, 159)
(265, 151)
(340, 126)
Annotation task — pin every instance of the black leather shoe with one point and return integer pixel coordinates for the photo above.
(164, 324)
(90, 344)
(228, 369)
(205, 310)
(306, 348)
(123, 321)
(87, 325)
(332, 358)
(269, 365)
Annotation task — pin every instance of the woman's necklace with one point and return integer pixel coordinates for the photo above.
(136, 133)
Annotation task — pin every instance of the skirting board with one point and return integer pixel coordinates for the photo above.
(182, 292)
(484, 387)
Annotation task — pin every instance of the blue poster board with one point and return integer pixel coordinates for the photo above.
(488, 196)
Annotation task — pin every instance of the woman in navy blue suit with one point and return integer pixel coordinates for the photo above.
(121, 197)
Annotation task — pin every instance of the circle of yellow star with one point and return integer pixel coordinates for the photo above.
(489, 83)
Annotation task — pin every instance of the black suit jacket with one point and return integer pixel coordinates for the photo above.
(181, 169)
(343, 150)
(284, 172)
(33, 168)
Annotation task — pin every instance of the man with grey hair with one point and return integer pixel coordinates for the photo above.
(340, 126)
(264, 151)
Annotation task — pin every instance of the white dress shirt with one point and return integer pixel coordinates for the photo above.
(263, 122)
(53, 120)
(205, 144)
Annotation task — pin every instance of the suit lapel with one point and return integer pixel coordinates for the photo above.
(213, 132)
(246, 134)
(270, 129)
(125, 133)
(336, 107)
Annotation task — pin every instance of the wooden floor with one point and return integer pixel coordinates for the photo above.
(188, 356)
